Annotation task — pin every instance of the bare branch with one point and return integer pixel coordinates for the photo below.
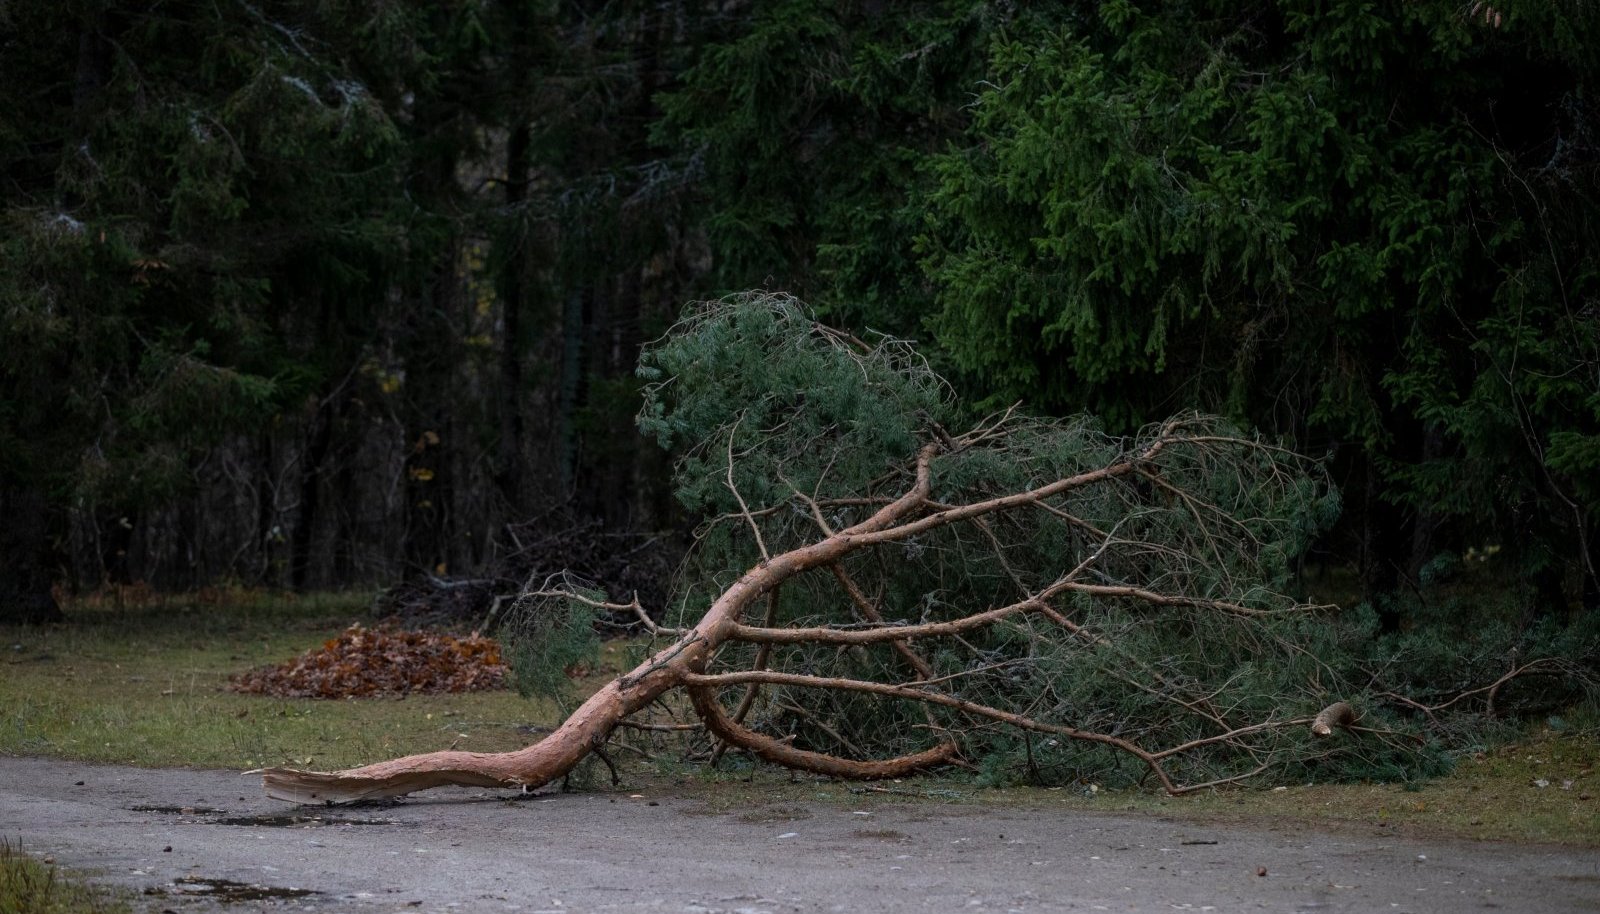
(744, 509)
(1162, 599)
(633, 607)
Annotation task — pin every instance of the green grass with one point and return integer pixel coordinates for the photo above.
(146, 686)
(1490, 797)
(1493, 795)
(29, 886)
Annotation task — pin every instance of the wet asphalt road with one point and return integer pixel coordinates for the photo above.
(231, 849)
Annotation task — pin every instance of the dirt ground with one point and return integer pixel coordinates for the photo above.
(195, 841)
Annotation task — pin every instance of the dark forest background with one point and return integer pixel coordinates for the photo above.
(328, 294)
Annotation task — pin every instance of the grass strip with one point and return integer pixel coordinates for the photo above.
(146, 685)
(30, 886)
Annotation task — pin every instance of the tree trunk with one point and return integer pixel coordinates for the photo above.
(1381, 541)
(510, 472)
(316, 450)
(26, 596)
(1425, 530)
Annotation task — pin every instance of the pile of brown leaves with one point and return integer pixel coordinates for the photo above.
(370, 663)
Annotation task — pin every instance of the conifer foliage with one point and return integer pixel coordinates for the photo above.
(916, 594)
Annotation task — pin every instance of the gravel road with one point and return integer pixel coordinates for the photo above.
(208, 840)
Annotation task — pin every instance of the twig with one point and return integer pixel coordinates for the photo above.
(632, 606)
(744, 509)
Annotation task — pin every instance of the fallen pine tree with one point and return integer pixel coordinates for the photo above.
(1026, 594)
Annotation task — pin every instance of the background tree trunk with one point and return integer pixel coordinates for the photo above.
(25, 587)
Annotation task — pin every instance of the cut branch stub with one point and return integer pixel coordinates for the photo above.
(1339, 714)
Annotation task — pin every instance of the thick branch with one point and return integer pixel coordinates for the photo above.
(877, 634)
(527, 768)
(781, 753)
(913, 693)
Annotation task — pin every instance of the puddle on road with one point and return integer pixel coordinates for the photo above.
(179, 810)
(292, 821)
(264, 821)
(227, 891)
